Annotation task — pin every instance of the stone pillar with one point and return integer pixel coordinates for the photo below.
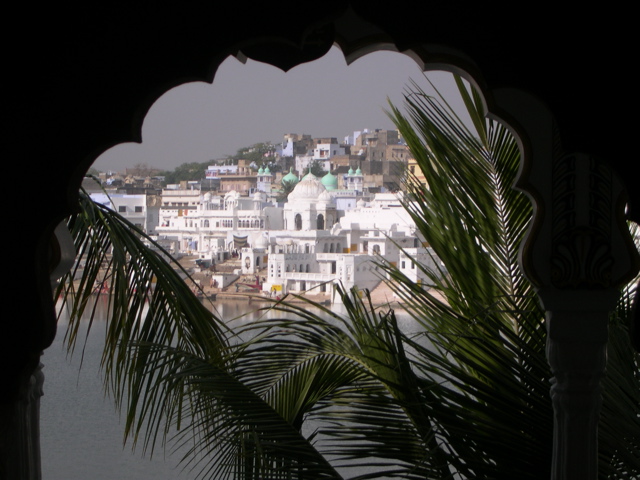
(577, 352)
(20, 409)
(20, 423)
(578, 252)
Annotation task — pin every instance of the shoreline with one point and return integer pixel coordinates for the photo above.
(381, 296)
(298, 299)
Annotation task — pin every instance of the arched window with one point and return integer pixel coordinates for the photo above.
(320, 222)
(298, 222)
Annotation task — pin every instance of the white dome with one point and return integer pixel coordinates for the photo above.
(325, 197)
(261, 242)
(232, 194)
(309, 188)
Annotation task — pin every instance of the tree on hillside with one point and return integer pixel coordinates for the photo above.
(316, 168)
(258, 153)
(192, 171)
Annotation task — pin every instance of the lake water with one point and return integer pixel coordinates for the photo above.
(81, 432)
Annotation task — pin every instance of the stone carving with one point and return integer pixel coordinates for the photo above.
(581, 214)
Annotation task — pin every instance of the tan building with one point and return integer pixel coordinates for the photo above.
(414, 173)
(244, 181)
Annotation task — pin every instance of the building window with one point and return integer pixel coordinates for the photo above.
(122, 209)
(138, 209)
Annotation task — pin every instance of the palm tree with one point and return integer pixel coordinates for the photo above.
(313, 394)
(287, 188)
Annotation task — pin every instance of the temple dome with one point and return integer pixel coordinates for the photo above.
(290, 177)
(330, 181)
(325, 198)
(309, 188)
(261, 242)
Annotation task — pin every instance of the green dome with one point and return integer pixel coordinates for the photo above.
(260, 171)
(350, 172)
(330, 181)
(266, 171)
(358, 171)
(290, 177)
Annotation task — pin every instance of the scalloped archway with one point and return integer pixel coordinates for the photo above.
(98, 69)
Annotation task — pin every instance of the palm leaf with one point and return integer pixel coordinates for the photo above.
(352, 379)
(168, 359)
(487, 333)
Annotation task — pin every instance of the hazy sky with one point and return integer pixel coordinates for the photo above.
(255, 102)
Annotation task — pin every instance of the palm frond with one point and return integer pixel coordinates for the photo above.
(168, 360)
(487, 336)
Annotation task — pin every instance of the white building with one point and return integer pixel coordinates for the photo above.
(265, 180)
(209, 226)
(321, 245)
(322, 152)
(310, 206)
(307, 245)
(141, 210)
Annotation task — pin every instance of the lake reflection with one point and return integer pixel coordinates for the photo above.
(81, 432)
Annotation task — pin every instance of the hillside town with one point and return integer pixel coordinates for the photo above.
(277, 227)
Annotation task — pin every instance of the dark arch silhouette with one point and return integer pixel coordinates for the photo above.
(86, 86)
